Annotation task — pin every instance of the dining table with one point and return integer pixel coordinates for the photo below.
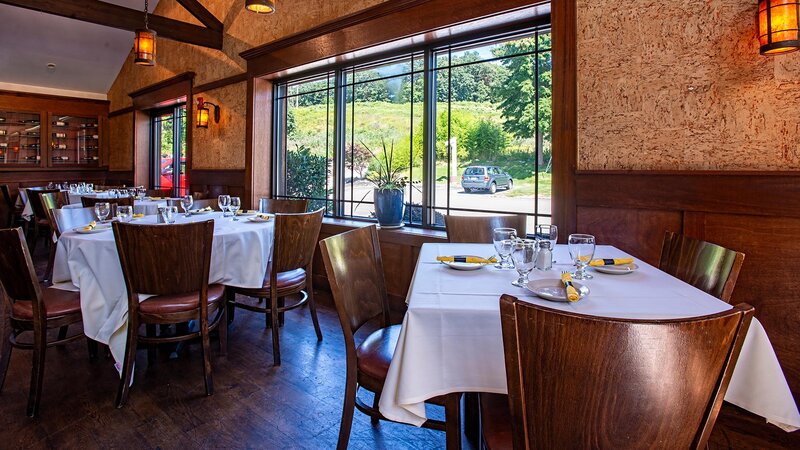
(89, 264)
(451, 338)
(147, 206)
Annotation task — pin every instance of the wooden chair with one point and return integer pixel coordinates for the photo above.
(355, 272)
(706, 266)
(33, 311)
(479, 228)
(285, 206)
(289, 273)
(12, 212)
(178, 281)
(52, 201)
(577, 381)
(40, 221)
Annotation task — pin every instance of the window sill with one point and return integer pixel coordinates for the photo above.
(406, 235)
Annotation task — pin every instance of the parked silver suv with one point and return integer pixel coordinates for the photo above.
(485, 178)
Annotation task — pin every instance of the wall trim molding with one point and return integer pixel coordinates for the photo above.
(222, 82)
(185, 76)
(121, 111)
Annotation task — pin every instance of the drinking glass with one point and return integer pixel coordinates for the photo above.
(102, 210)
(73, 188)
(224, 201)
(234, 206)
(186, 202)
(81, 187)
(548, 233)
(503, 239)
(141, 192)
(581, 250)
(124, 213)
(524, 256)
(90, 187)
(131, 192)
(113, 193)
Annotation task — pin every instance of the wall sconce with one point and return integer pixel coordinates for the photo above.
(778, 26)
(202, 113)
(260, 6)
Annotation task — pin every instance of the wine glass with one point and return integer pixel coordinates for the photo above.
(547, 233)
(186, 202)
(141, 193)
(90, 187)
(503, 239)
(224, 201)
(581, 250)
(234, 206)
(524, 256)
(102, 210)
(124, 213)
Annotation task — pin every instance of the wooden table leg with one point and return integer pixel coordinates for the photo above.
(471, 418)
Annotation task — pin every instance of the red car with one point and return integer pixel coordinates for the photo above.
(165, 180)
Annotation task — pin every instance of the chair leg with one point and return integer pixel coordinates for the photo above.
(230, 298)
(281, 304)
(128, 361)
(5, 358)
(348, 408)
(150, 329)
(35, 234)
(62, 332)
(374, 419)
(48, 273)
(209, 380)
(37, 372)
(452, 419)
(268, 316)
(276, 346)
(313, 308)
(91, 345)
(222, 329)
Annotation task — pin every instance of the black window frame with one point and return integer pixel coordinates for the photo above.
(176, 111)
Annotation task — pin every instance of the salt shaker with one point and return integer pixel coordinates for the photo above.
(544, 256)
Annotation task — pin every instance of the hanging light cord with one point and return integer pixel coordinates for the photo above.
(145, 15)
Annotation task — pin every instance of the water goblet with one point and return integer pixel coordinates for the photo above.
(524, 256)
(581, 250)
(234, 206)
(124, 213)
(90, 187)
(141, 192)
(224, 201)
(73, 188)
(186, 202)
(547, 233)
(503, 239)
(102, 210)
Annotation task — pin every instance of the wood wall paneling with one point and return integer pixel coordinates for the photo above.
(217, 182)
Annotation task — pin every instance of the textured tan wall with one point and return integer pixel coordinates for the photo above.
(121, 142)
(680, 85)
(223, 147)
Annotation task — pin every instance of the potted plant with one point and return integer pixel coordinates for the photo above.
(389, 188)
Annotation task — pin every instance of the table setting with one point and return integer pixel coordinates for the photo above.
(451, 337)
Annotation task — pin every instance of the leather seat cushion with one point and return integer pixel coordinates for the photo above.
(375, 353)
(57, 303)
(496, 422)
(175, 303)
(290, 281)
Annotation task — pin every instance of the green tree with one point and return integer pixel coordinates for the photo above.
(518, 90)
(357, 159)
(485, 141)
(306, 175)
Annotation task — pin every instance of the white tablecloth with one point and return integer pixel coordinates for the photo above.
(147, 207)
(451, 339)
(90, 263)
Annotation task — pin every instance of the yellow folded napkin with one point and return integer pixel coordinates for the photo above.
(207, 208)
(610, 262)
(467, 259)
(263, 216)
(572, 293)
(155, 198)
(138, 216)
(90, 227)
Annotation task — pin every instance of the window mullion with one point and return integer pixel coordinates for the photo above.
(339, 148)
(428, 140)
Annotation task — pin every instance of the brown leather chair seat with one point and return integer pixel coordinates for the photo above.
(496, 422)
(375, 353)
(167, 304)
(287, 282)
(57, 303)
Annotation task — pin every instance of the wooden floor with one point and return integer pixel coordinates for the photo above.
(255, 405)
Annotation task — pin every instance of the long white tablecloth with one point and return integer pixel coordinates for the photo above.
(451, 339)
(90, 263)
(147, 207)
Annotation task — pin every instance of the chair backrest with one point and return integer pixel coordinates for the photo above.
(66, 219)
(355, 272)
(89, 202)
(17, 273)
(52, 202)
(285, 206)
(36, 201)
(7, 196)
(479, 228)
(151, 264)
(706, 266)
(296, 237)
(204, 202)
(577, 381)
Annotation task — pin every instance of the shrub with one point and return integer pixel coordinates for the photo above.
(306, 175)
(485, 141)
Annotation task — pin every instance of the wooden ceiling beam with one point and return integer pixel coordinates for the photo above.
(110, 15)
(202, 14)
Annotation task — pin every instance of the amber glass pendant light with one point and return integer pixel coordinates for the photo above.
(260, 6)
(144, 44)
(778, 26)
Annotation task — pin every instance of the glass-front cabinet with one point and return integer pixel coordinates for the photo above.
(74, 140)
(20, 138)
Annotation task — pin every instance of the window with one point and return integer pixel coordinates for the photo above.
(169, 149)
(469, 123)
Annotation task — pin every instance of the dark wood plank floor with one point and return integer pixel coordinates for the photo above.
(255, 405)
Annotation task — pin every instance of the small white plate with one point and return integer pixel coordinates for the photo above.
(97, 229)
(552, 289)
(619, 269)
(463, 265)
(245, 214)
(195, 212)
(259, 219)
